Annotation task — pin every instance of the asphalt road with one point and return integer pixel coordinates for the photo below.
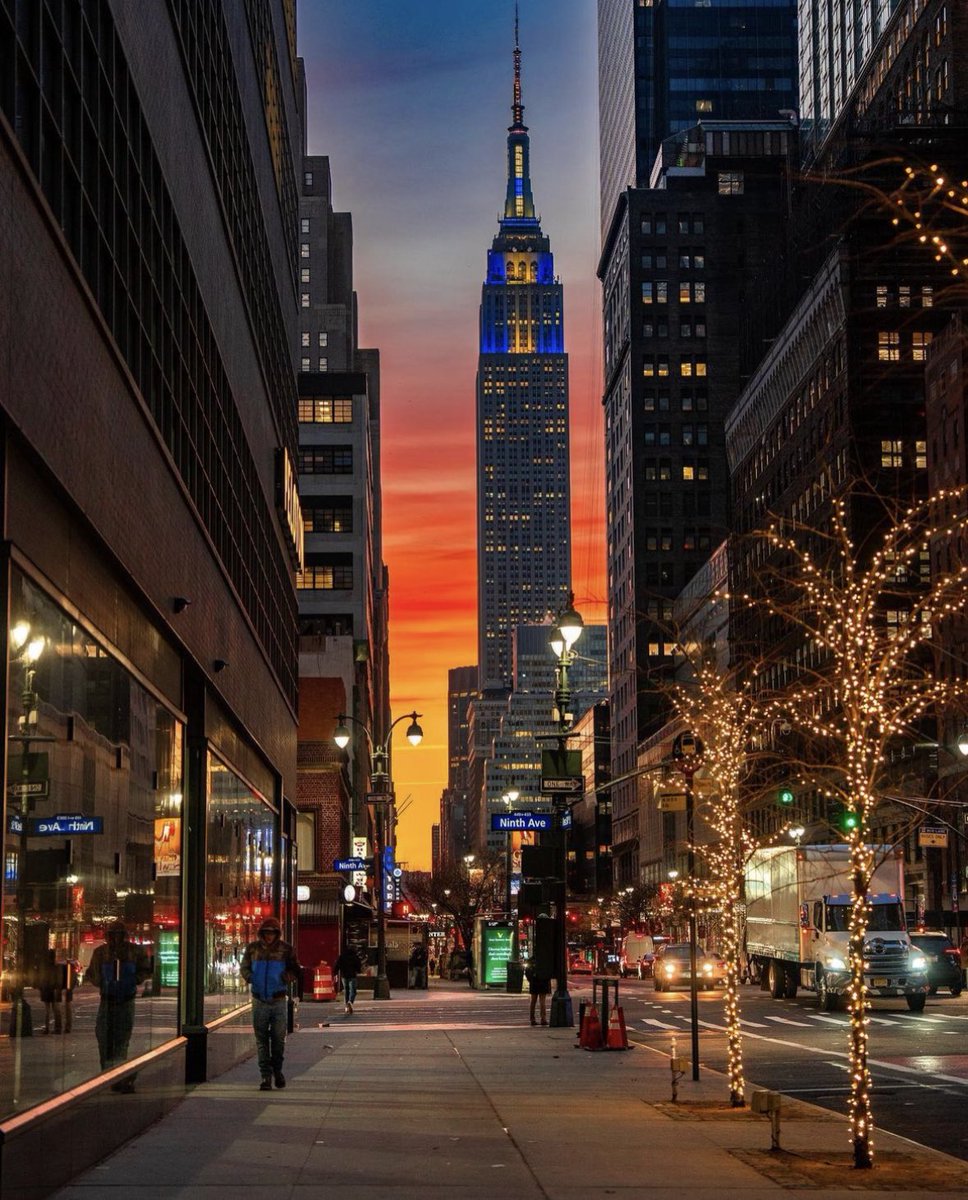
(919, 1062)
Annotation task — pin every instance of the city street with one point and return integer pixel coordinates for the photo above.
(919, 1062)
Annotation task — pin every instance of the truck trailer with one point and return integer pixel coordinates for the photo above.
(798, 904)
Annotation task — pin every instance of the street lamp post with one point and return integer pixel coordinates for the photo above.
(567, 633)
(380, 798)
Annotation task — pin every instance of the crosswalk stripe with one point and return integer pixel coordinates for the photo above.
(787, 1021)
(657, 1023)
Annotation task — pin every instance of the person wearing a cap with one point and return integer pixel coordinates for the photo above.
(117, 968)
(268, 966)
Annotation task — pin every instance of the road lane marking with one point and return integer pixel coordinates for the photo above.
(828, 1020)
(754, 1024)
(787, 1021)
(659, 1024)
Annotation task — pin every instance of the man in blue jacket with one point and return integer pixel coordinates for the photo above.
(268, 967)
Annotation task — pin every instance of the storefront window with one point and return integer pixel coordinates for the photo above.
(238, 882)
(91, 841)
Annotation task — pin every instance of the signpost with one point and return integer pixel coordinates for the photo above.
(933, 835)
(561, 773)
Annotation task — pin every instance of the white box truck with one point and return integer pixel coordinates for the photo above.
(798, 902)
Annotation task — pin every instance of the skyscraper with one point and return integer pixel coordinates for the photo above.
(667, 64)
(523, 531)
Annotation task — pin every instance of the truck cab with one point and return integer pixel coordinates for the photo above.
(892, 966)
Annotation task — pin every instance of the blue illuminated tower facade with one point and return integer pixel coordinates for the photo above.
(523, 521)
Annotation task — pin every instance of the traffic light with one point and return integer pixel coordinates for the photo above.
(785, 797)
(849, 820)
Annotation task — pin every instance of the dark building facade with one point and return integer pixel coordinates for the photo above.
(665, 65)
(148, 158)
(840, 401)
(693, 285)
(523, 515)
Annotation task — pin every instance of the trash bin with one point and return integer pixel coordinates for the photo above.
(515, 981)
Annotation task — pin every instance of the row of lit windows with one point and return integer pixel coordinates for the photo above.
(884, 296)
(664, 541)
(656, 291)
(892, 453)
(305, 364)
(322, 340)
(659, 470)
(658, 365)
(325, 579)
(326, 410)
(889, 345)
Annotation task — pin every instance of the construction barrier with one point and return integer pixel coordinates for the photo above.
(590, 1035)
(616, 1037)
(323, 986)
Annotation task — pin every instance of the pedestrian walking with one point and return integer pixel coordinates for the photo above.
(347, 967)
(418, 966)
(117, 968)
(52, 992)
(539, 989)
(269, 965)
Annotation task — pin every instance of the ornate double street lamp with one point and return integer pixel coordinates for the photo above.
(380, 798)
(567, 633)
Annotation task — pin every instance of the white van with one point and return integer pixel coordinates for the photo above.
(638, 952)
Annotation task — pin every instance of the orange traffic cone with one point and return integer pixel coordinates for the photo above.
(323, 986)
(591, 1029)
(617, 1037)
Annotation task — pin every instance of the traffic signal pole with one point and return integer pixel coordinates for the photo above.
(693, 925)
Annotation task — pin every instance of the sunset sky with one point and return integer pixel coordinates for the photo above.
(411, 101)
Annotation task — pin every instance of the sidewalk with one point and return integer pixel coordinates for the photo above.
(514, 1113)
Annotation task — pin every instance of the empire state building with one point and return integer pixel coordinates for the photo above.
(523, 519)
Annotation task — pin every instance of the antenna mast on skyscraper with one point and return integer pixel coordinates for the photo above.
(517, 108)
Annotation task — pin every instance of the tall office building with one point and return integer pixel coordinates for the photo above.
(665, 65)
(149, 156)
(523, 530)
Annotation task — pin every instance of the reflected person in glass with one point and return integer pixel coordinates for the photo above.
(117, 969)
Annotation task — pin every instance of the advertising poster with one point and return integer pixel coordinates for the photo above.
(497, 951)
(167, 846)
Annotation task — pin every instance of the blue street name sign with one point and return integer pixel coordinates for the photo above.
(350, 864)
(520, 820)
(70, 824)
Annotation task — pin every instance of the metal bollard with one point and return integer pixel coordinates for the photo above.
(677, 1067)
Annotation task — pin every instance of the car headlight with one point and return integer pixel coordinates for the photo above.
(918, 962)
(836, 964)
(707, 968)
(669, 969)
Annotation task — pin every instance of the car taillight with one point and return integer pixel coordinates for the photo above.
(954, 954)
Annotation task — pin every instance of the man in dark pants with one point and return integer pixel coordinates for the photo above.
(117, 968)
(268, 967)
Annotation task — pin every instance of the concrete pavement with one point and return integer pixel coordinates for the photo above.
(479, 1110)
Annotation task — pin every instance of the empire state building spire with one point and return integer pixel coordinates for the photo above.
(519, 203)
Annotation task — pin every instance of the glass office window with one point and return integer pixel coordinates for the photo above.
(92, 838)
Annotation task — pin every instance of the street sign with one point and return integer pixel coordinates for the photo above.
(933, 835)
(350, 864)
(32, 787)
(70, 824)
(567, 785)
(508, 822)
(672, 802)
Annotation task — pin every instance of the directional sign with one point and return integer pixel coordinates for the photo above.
(933, 835)
(32, 787)
(70, 824)
(350, 864)
(505, 822)
(567, 785)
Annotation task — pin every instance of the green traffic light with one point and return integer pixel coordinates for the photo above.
(851, 820)
(785, 796)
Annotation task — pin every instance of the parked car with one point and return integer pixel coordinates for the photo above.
(671, 968)
(943, 958)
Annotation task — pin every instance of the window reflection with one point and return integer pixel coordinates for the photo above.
(92, 838)
(238, 882)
